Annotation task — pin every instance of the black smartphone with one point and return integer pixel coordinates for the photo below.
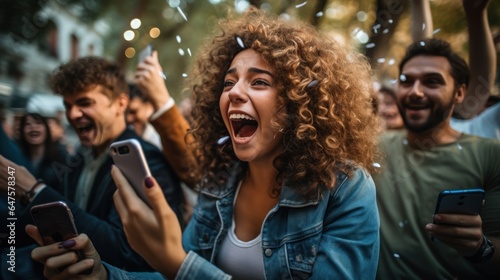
(129, 158)
(466, 201)
(147, 51)
(54, 221)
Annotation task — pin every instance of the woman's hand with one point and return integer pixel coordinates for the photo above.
(61, 260)
(154, 233)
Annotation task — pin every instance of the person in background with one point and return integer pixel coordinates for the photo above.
(473, 115)
(387, 109)
(167, 119)
(429, 156)
(139, 111)
(95, 96)
(285, 137)
(36, 143)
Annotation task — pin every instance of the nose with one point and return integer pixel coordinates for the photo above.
(416, 90)
(237, 94)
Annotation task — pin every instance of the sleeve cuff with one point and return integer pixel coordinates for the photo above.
(167, 106)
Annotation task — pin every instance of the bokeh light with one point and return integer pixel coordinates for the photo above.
(154, 32)
(135, 23)
(129, 35)
(130, 52)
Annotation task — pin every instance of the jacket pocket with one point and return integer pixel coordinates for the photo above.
(302, 250)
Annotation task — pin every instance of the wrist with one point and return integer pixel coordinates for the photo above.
(27, 196)
(484, 253)
(165, 107)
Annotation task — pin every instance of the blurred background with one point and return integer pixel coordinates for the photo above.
(37, 36)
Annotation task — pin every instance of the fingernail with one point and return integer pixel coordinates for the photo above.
(149, 182)
(68, 243)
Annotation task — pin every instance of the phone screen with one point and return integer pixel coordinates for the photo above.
(54, 222)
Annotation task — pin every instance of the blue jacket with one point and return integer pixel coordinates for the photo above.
(335, 236)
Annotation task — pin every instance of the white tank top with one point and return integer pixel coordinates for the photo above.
(242, 260)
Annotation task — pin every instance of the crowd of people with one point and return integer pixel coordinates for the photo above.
(288, 162)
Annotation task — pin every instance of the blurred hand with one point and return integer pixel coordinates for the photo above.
(462, 232)
(21, 179)
(149, 80)
(153, 233)
(60, 260)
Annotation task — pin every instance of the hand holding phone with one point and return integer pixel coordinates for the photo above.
(129, 158)
(466, 201)
(54, 221)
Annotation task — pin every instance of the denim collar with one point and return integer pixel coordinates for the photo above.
(289, 196)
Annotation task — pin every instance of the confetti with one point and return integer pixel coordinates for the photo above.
(313, 84)
(222, 140)
(301, 5)
(240, 42)
(370, 45)
(182, 13)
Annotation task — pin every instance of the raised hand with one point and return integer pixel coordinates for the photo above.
(148, 78)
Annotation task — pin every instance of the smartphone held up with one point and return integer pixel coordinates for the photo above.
(147, 51)
(129, 158)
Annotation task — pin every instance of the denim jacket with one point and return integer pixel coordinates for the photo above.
(335, 236)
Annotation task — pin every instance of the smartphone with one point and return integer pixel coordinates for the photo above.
(467, 201)
(54, 221)
(147, 51)
(129, 158)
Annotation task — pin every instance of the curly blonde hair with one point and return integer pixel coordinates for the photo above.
(324, 91)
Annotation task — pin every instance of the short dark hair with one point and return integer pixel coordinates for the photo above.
(135, 92)
(84, 73)
(437, 47)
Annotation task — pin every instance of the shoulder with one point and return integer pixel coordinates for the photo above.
(359, 186)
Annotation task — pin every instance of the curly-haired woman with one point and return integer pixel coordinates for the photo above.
(285, 136)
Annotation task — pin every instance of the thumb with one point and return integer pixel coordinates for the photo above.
(33, 232)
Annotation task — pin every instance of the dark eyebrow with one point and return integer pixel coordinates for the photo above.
(251, 69)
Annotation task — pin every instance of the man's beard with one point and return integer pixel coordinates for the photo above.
(437, 116)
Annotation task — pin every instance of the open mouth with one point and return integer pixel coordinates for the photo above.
(84, 129)
(243, 125)
(34, 133)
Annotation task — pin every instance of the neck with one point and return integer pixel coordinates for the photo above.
(37, 152)
(103, 148)
(439, 135)
(262, 177)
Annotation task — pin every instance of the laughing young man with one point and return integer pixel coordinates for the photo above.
(424, 160)
(95, 95)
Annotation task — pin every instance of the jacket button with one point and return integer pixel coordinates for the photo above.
(268, 252)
